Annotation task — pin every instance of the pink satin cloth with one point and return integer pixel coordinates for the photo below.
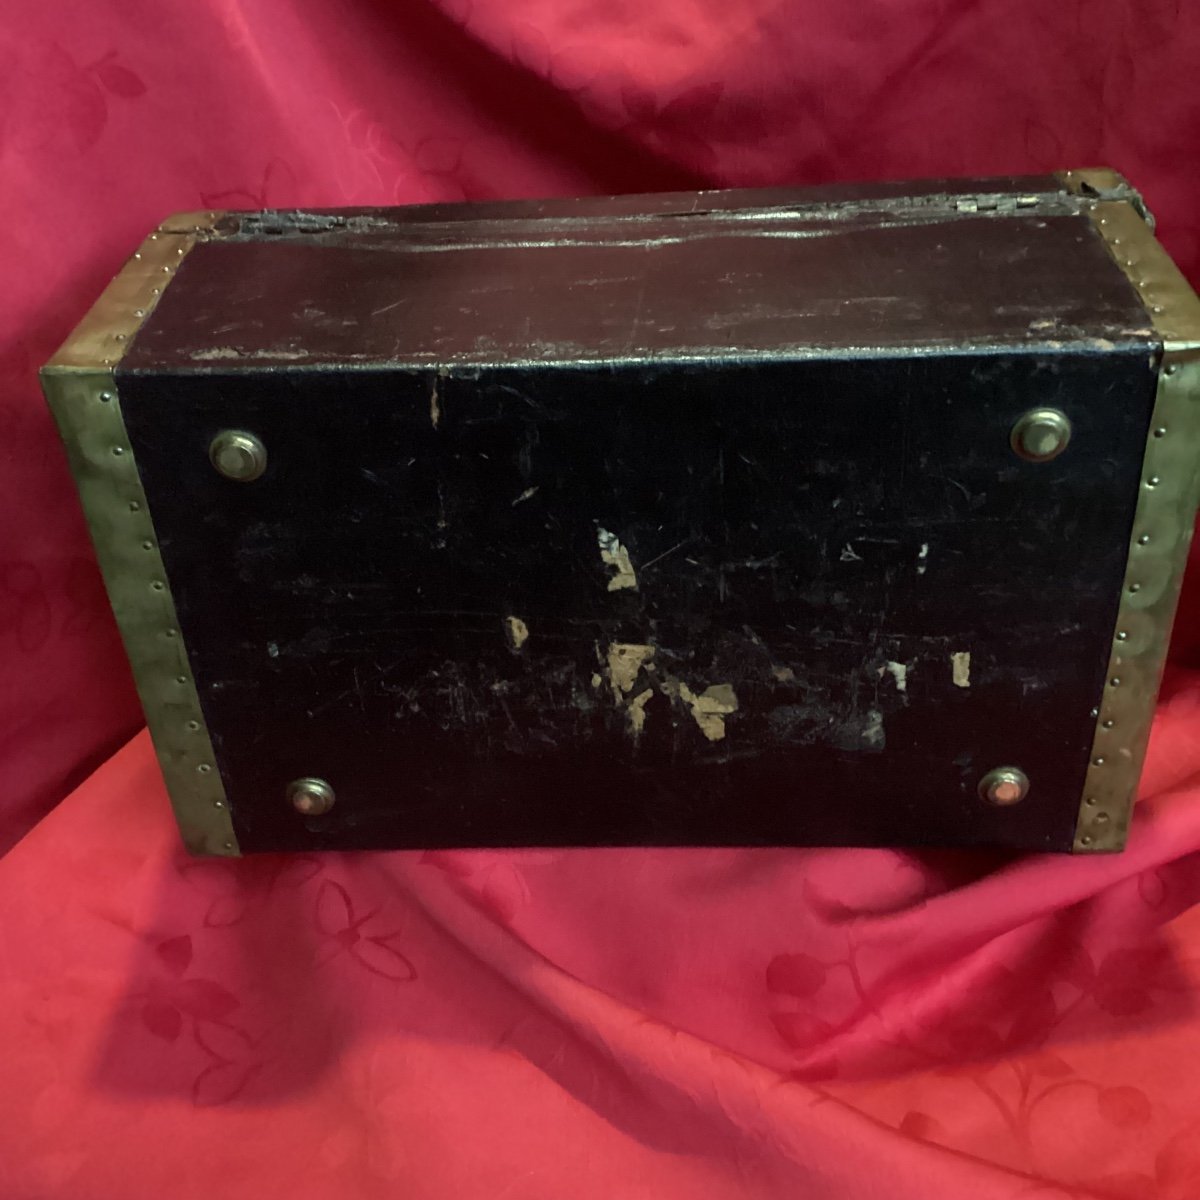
(659, 1024)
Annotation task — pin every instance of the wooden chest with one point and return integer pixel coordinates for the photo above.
(848, 515)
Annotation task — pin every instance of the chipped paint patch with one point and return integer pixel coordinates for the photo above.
(636, 712)
(517, 630)
(783, 674)
(527, 494)
(873, 734)
(613, 554)
(922, 556)
(898, 671)
(710, 708)
(596, 679)
(435, 408)
(960, 668)
(848, 554)
(625, 660)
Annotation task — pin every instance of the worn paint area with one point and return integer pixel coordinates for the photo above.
(616, 557)
(960, 668)
(635, 712)
(435, 403)
(922, 558)
(625, 660)
(710, 708)
(898, 671)
(873, 734)
(517, 631)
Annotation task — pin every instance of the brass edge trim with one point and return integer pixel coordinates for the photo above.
(80, 387)
(1162, 532)
(1103, 183)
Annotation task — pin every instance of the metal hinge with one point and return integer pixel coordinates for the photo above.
(995, 202)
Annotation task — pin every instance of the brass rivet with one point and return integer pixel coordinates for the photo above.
(218, 804)
(204, 768)
(118, 450)
(139, 312)
(106, 396)
(1004, 786)
(1108, 723)
(154, 237)
(137, 254)
(1086, 840)
(158, 585)
(193, 725)
(1135, 587)
(147, 545)
(238, 455)
(1121, 635)
(166, 270)
(311, 797)
(1161, 431)
(1090, 802)
(1041, 434)
(181, 679)
(1115, 681)
(1153, 481)
(1098, 761)
(1101, 818)
(134, 506)
(170, 632)
(120, 337)
(1172, 368)
(1144, 540)
(228, 845)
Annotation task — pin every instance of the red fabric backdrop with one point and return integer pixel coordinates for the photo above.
(658, 1024)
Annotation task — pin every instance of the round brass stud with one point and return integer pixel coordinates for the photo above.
(311, 797)
(1004, 786)
(1041, 434)
(238, 455)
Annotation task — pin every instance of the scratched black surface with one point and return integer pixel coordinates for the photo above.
(795, 525)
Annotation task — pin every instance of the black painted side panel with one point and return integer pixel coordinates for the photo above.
(812, 540)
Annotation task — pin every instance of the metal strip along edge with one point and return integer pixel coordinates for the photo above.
(80, 386)
(1163, 523)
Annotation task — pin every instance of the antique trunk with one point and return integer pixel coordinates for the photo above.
(850, 515)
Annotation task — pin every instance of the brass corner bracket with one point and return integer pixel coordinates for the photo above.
(80, 386)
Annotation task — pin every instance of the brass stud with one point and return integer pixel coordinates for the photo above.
(158, 585)
(1041, 434)
(238, 455)
(1144, 540)
(134, 506)
(311, 797)
(1161, 431)
(1108, 723)
(1098, 761)
(1135, 587)
(1122, 635)
(1004, 786)
(204, 768)
(1153, 481)
(1115, 681)
(1086, 840)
